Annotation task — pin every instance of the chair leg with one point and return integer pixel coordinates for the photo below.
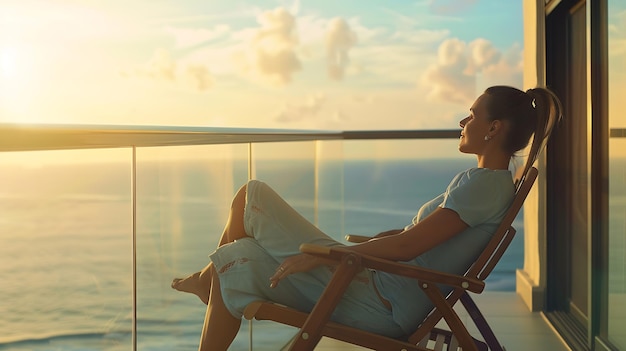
(481, 323)
(451, 318)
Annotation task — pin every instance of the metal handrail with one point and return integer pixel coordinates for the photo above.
(16, 137)
(39, 137)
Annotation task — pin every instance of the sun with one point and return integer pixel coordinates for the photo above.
(8, 62)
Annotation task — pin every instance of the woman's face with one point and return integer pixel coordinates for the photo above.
(475, 127)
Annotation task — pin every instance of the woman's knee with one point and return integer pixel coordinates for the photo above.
(235, 228)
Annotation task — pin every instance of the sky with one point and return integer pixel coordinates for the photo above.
(324, 64)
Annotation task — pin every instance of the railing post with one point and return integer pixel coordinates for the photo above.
(250, 177)
(133, 189)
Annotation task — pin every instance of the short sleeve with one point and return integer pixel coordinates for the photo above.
(479, 196)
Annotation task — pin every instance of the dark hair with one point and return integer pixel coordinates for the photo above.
(534, 112)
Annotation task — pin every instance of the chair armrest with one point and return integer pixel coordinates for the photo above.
(422, 274)
(354, 238)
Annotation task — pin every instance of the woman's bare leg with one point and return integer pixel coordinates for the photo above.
(220, 327)
(234, 228)
(199, 283)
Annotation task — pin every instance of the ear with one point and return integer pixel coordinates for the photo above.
(496, 126)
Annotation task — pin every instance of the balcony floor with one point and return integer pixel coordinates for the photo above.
(515, 327)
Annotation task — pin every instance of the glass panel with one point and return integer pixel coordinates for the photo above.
(577, 196)
(617, 174)
(617, 243)
(183, 201)
(384, 191)
(309, 175)
(330, 188)
(289, 168)
(65, 250)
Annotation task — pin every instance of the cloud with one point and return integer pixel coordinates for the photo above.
(481, 54)
(189, 37)
(339, 117)
(460, 67)
(295, 7)
(307, 109)
(392, 58)
(283, 45)
(271, 53)
(162, 67)
(447, 79)
(507, 70)
(339, 39)
(200, 76)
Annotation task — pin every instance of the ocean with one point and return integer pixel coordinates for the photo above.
(66, 242)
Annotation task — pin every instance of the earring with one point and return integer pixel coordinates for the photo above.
(487, 137)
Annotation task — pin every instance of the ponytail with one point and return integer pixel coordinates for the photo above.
(548, 112)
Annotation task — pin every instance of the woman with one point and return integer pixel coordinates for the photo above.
(258, 257)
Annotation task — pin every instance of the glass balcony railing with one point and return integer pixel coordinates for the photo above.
(97, 222)
(617, 238)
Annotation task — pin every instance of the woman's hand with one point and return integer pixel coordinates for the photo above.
(296, 264)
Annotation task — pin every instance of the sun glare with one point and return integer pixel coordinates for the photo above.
(8, 62)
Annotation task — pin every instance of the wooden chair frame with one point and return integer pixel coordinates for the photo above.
(314, 325)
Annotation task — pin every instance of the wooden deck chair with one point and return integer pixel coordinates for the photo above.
(314, 325)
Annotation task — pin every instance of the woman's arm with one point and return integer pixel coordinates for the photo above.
(441, 225)
(387, 233)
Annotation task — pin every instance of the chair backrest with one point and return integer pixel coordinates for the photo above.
(504, 234)
(490, 256)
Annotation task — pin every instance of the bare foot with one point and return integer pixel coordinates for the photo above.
(194, 284)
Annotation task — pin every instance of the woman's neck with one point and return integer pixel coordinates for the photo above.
(498, 161)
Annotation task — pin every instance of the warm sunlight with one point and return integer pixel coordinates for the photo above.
(19, 87)
(8, 62)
